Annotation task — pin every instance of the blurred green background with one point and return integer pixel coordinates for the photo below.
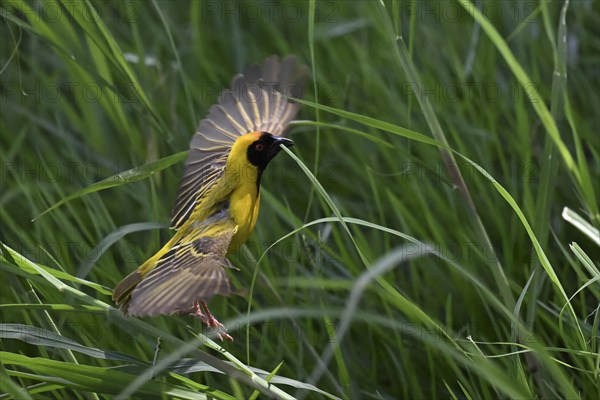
(427, 253)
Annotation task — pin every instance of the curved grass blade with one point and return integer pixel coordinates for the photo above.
(190, 365)
(24, 265)
(12, 388)
(132, 175)
(54, 307)
(375, 123)
(581, 224)
(86, 16)
(111, 239)
(95, 379)
(536, 100)
(42, 337)
(345, 129)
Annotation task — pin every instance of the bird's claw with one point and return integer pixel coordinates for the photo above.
(201, 312)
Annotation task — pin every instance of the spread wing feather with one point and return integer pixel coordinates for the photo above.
(256, 101)
(193, 269)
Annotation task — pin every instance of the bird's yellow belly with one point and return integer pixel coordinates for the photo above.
(243, 209)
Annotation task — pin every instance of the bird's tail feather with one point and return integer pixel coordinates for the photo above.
(123, 290)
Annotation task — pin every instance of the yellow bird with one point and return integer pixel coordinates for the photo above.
(219, 197)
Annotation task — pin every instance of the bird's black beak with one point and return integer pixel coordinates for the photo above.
(282, 141)
(276, 145)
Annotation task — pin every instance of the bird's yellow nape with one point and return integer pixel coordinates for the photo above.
(238, 155)
(241, 144)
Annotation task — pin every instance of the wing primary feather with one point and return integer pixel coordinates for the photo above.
(255, 110)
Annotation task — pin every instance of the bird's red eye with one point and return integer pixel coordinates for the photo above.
(259, 147)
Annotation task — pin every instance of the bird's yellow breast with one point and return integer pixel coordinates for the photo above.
(244, 205)
(243, 180)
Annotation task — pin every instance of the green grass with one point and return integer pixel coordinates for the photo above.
(433, 233)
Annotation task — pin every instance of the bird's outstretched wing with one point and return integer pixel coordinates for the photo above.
(192, 270)
(256, 101)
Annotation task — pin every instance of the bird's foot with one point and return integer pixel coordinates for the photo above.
(201, 312)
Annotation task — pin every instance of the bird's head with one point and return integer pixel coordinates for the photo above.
(257, 148)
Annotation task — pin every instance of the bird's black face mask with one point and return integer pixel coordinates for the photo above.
(264, 149)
